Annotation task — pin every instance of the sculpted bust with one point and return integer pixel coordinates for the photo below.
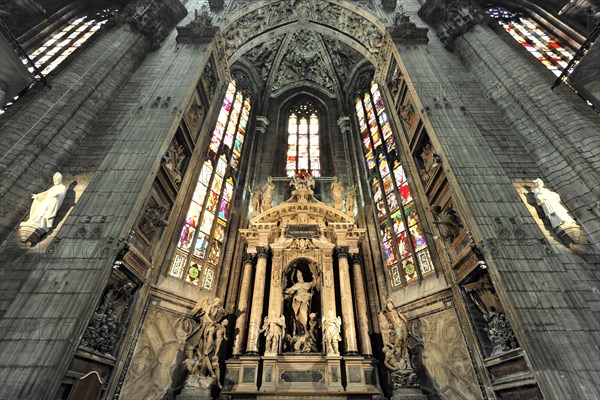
(46, 205)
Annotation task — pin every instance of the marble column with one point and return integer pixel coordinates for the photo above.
(249, 261)
(361, 305)
(258, 298)
(349, 329)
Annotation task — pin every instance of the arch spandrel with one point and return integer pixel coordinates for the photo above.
(341, 19)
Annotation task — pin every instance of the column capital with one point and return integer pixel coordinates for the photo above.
(405, 31)
(199, 30)
(261, 123)
(155, 20)
(451, 19)
(249, 258)
(263, 251)
(356, 258)
(343, 123)
(341, 251)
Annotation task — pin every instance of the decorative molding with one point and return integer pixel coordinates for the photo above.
(199, 30)
(451, 19)
(341, 251)
(405, 31)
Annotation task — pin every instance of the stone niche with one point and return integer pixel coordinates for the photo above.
(446, 367)
(155, 368)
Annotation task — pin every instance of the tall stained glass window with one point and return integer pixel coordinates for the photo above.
(543, 46)
(303, 140)
(406, 252)
(200, 243)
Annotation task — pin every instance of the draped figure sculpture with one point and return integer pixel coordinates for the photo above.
(267, 194)
(46, 204)
(337, 193)
(558, 215)
(300, 294)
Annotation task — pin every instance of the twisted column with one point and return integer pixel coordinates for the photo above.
(258, 299)
(249, 261)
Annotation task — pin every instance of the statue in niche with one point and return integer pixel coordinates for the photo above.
(209, 336)
(551, 204)
(103, 330)
(337, 193)
(173, 161)
(45, 206)
(257, 198)
(407, 112)
(431, 160)
(332, 326)
(152, 220)
(349, 198)
(303, 185)
(267, 194)
(273, 328)
(299, 296)
(498, 329)
(449, 222)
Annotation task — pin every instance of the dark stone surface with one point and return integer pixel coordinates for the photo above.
(303, 376)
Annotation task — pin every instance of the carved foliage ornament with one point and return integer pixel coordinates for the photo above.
(199, 30)
(286, 11)
(451, 18)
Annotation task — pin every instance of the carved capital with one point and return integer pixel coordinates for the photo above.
(154, 19)
(344, 125)
(405, 31)
(341, 251)
(199, 30)
(249, 258)
(356, 258)
(261, 124)
(216, 5)
(451, 19)
(263, 251)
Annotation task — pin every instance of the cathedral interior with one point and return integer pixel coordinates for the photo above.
(300, 199)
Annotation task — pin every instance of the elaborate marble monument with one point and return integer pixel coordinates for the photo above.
(304, 251)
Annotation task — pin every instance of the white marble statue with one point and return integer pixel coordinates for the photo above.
(337, 193)
(46, 205)
(349, 197)
(267, 194)
(332, 327)
(552, 205)
(300, 294)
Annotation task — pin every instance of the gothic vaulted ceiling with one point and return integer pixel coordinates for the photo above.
(303, 57)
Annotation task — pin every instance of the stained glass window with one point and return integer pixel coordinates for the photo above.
(303, 149)
(406, 253)
(200, 244)
(540, 44)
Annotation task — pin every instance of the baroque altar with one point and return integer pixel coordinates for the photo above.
(301, 325)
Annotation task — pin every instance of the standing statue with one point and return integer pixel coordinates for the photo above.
(210, 335)
(331, 333)
(394, 329)
(46, 205)
(267, 194)
(273, 328)
(449, 223)
(337, 193)
(349, 197)
(552, 205)
(257, 198)
(300, 294)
